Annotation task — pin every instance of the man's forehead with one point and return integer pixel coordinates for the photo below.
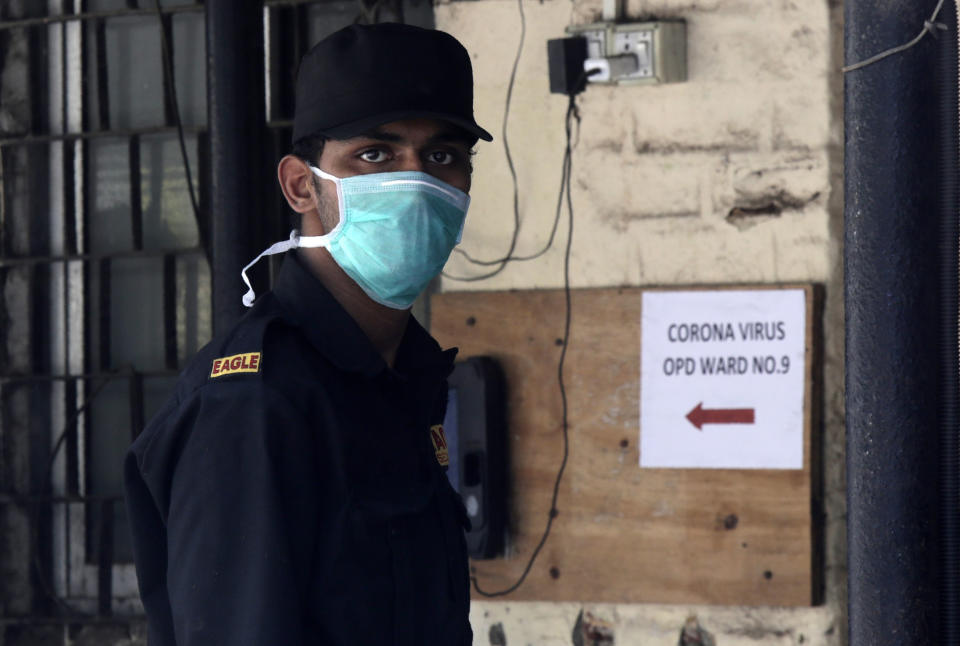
(427, 130)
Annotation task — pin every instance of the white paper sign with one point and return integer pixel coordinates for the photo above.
(722, 379)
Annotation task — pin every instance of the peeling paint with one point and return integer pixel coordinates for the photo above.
(692, 634)
(758, 208)
(760, 632)
(744, 142)
(590, 630)
(620, 220)
(497, 635)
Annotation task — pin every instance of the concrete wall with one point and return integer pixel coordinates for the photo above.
(667, 181)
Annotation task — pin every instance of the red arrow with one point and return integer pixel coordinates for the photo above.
(700, 416)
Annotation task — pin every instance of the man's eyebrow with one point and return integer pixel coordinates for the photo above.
(450, 136)
(379, 135)
(444, 136)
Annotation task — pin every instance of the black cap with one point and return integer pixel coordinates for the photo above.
(365, 75)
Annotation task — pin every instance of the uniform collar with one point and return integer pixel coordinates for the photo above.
(338, 337)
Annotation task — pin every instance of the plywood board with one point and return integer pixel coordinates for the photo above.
(623, 534)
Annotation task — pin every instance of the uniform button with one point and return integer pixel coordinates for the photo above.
(393, 531)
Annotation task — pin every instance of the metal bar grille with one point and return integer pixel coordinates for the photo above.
(137, 416)
(104, 313)
(69, 200)
(97, 15)
(7, 499)
(14, 261)
(136, 206)
(72, 439)
(100, 245)
(129, 11)
(105, 561)
(169, 92)
(169, 312)
(103, 89)
(117, 133)
(15, 379)
(38, 91)
(5, 163)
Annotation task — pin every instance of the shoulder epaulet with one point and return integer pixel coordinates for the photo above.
(238, 352)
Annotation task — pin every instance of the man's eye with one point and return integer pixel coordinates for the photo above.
(373, 155)
(441, 157)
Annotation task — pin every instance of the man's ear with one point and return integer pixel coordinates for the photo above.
(296, 182)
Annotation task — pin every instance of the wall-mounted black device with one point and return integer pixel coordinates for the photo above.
(476, 434)
(565, 57)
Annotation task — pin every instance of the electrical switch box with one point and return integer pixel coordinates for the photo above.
(565, 58)
(635, 53)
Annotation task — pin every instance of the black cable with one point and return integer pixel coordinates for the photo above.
(564, 177)
(553, 229)
(172, 84)
(47, 476)
(572, 114)
(513, 172)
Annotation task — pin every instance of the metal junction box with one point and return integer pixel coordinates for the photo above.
(660, 49)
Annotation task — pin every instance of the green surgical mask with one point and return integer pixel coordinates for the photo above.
(396, 232)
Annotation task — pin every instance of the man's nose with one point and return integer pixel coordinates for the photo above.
(411, 162)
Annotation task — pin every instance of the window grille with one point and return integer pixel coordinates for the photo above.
(105, 266)
(104, 278)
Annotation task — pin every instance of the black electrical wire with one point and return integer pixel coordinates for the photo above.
(47, 476)
(553, 229)
(572, 115)
(502, 262)
(549, 243)
(172, 84)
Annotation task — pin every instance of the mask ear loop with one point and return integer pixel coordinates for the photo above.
(278, 247)
(286, 245)
(338, 182)
(281, 247)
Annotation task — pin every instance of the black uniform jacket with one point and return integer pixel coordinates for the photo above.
(289, 492)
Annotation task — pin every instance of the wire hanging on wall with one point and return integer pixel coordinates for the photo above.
(573, 116)
(502, 262)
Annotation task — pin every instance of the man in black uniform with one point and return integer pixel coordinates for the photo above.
(292, 491)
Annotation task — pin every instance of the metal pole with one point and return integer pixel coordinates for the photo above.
(949, 303)
(237, 121)
(892, 326)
